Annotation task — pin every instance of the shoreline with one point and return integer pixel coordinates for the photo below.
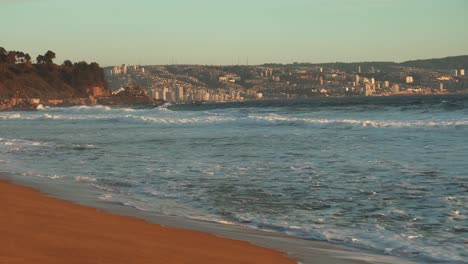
(26, 106)
(300, 250)
(41, 229)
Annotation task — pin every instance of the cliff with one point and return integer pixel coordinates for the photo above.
(50, 81)
(24, 85)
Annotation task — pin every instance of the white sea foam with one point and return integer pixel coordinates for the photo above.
(105, 196)
(127, 109)
(85, 179)
(413, 237)
(10, 116)
(103, 187)
(184, 120)
(49, 176)
(94, 107)
(364, 123)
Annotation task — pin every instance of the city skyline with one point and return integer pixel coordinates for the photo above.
(213, 32)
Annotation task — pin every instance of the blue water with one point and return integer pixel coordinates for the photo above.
(386, 175)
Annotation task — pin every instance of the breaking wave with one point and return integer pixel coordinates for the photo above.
(165, 116)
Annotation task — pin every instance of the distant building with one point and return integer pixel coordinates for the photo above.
(409, 79)
(372, 80)
(357, 80)
(169, 97)
(370, 90)
(441, 87)
(395, 88)
(359, 69)
(179, 94)
(462, 72)
(386, 84)
(454, 72)
(116, 70)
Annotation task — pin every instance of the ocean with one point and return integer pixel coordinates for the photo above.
(387, 175)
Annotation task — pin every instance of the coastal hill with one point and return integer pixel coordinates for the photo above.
(448, 63)
(20, 78)
(191, 83)
(24, 85)
(441, 64)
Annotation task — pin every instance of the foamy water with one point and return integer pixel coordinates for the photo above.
(387, 175)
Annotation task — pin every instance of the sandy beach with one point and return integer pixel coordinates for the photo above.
(36, 228)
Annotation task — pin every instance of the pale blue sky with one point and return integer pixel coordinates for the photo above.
(227, 32)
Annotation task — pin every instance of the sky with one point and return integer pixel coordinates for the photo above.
(113, 32)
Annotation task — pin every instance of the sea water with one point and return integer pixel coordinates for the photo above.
(386, 175)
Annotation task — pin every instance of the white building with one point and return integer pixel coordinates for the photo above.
(441, 87)
(179, 94)
(409, 79)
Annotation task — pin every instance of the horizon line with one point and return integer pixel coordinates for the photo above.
(292, 63)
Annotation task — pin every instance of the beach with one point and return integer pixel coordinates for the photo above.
(37, 228)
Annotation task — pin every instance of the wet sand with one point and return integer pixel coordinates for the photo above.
(36, 228)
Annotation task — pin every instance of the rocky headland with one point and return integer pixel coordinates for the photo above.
(25, 85)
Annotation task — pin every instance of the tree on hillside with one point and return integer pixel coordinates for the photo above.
(11, 57)
(50, 55)
(67, 63)
(20, 57)
(3, 54)
(27, 57)
(46, 58)
(40, 59)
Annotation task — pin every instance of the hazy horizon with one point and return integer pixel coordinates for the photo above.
(209, 32)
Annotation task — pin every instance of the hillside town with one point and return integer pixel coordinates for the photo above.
(196, 83)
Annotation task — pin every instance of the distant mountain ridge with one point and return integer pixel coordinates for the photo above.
(444, 64)
(447, 63)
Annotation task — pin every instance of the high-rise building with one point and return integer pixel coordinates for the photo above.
(441, 87)
(179, 94)
(454, 72)
(372, 80)
(395, 88)
(409, 79)
(370, 89)
(359, 69)
(116, 70)
(386, 84)
(170, 97)
(124, 68)
(357, 80)
(462, 72)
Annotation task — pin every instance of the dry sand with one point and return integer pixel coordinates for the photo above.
(35, 228)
